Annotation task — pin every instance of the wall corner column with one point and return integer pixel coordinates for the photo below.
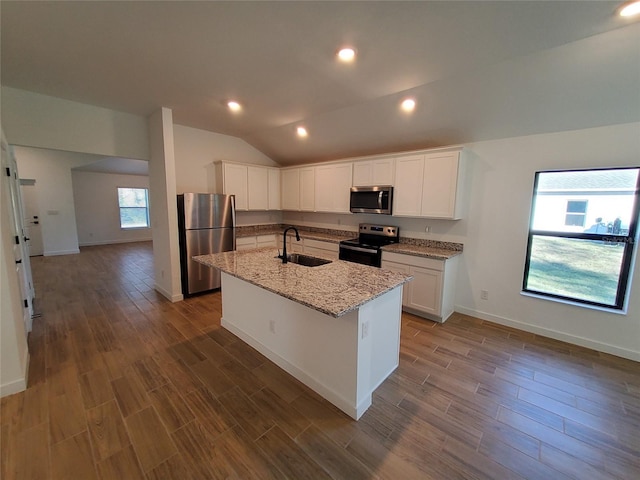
(163, 205)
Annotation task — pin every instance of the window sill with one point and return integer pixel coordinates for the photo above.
(575, 304)
(134, 228)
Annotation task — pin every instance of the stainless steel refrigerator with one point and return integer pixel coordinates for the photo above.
(206, 224)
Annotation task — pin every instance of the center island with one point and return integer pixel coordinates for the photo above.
(334, 327)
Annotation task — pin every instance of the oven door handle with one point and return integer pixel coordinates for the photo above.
(358, 249)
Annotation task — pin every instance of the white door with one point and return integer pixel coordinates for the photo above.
(31, 221)
(22, 264)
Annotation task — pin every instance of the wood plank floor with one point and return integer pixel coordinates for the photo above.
(126, 385)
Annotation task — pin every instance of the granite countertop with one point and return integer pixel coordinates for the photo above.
(333, 289)
(407, 246)
(324, 235)
(422, 251)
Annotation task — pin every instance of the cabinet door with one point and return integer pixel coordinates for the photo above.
(333, 187)
(266, 241)
(407, 193)
(426, 290)
(440, 185)
(291, 189)
(404, 269)
(235, 183)
(321, 249)
(382, 171)
(274, 189)
(341, 187)
(307, 189)
(363, 174)
(246, 243)
(257, 188)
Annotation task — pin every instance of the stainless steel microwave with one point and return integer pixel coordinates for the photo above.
(378, 199)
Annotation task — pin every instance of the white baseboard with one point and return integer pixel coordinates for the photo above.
(61, 252)
(169, 296)
(18, 385)
(556, 335)
(113, 242)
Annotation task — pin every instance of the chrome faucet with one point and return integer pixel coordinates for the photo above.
(284, 242)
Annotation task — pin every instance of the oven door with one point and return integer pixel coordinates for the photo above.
(364, 256)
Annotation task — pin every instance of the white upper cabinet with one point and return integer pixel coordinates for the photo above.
(258, 188)
(373, 172)
(441, 185)
(290, 180)
(407, 192)
(255, 187)
(307, 189)
(234, 182)
(429, 185)
(274, 188)
(333, 187)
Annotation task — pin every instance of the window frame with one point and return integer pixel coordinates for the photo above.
(145, 208)
(582, 214)
(629, 241)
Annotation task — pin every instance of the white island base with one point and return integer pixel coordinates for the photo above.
(343, 359)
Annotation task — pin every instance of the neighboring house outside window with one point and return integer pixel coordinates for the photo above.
(582, 233)
(134, 207)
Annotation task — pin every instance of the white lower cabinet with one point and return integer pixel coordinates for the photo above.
(255, 241)
(431, 292)
(308, 246)
(321, 249)
(246, 243)
(266, 241)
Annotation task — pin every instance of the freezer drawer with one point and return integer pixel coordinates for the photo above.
(196, 277)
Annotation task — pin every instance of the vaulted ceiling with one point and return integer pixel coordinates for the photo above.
(478, 70)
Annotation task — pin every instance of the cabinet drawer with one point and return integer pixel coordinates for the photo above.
(245, 243)
(413, 260)
(332, 247)
(266, 240)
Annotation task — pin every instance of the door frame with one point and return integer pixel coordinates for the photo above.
(21, 253)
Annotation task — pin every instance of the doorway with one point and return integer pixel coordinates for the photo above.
(31, 220)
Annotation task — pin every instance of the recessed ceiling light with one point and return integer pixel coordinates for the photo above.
(234, 106)
(408, 104)
(302, 132)
(347, 54)
(630, 9)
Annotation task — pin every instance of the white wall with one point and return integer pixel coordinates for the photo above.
(164, 205)
(51, 170)
(95, 197)
(196, 150)
(496, 236)
(31, 119)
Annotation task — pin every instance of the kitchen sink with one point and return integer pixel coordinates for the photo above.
(306, 260)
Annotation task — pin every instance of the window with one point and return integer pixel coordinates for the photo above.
(134, 207)
(576, 212)
(581, 235)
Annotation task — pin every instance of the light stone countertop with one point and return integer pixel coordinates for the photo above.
(421, 251)
(407, 246)
(333, 289)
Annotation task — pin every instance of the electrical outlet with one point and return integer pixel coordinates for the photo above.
(484, 294)
(365, 330)
(427, 229)
(272, 326)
